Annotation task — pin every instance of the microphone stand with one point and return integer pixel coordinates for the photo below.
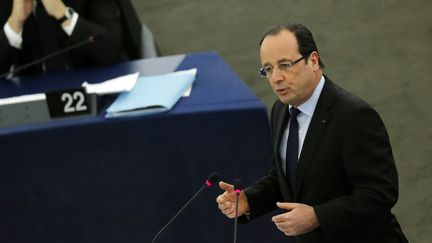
(236, 213)
(178, 213)
(71, 47)
(238, 185)
(214, 177)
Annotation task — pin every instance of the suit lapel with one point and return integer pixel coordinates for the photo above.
(280, 124)
(316, 128)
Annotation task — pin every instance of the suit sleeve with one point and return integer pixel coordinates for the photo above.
(370, 168)
(7, 52)
(263, 194)
(101, 19)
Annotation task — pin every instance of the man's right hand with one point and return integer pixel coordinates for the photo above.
(20, 11)
(227, 201)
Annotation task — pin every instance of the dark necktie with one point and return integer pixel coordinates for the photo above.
(292, 148)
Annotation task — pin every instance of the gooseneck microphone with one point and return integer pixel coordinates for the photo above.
(238, 186)
(89, 40)
(213, 177)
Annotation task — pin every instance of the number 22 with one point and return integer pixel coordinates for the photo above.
(68, 98)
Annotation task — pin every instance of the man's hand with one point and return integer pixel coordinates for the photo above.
(227, 201)
(20, 11)
(55, 8)
(299, 219)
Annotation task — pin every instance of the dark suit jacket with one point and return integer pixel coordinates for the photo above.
(346, 172)
(96, 16)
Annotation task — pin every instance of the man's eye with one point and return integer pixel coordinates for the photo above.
(268, 69)
(284, 66)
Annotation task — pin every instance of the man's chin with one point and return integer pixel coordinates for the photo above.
(285, 100)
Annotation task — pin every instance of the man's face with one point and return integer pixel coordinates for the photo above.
(296, 85)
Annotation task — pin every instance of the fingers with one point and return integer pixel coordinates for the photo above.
(299, 219)
(55, 8)
(20, 11)
(286, 205)
(227, 198)
(280, 218)
(226, 201)
(225, 186)
(283, 221)
(283, 217)
(284, 224)
(228, 209)
(225, 205)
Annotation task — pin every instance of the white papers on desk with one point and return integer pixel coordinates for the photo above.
(116, 85)
(152, 94)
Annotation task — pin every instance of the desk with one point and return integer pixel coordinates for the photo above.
(119, 180)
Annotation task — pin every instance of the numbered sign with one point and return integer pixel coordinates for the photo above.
(70, 102)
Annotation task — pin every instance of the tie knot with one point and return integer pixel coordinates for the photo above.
(294, 112)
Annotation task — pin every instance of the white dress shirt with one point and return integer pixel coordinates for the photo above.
(304, 118)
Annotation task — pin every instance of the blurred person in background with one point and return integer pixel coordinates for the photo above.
(33, 29)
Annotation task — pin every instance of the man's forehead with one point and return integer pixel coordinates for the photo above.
(284, 41)
(279, 47)
(283, 35)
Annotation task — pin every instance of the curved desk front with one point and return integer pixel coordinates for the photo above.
(93, 179)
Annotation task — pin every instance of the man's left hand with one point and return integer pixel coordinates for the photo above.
(299, 219)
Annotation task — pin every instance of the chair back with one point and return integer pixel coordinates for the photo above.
(131, 29)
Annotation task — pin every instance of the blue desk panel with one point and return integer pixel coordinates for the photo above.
(119, 180)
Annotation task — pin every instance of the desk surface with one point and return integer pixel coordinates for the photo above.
(216, 87)
(119, 180)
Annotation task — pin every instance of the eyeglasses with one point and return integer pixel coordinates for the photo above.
(267, 71)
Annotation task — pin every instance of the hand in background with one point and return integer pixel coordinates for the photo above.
(55, 8)
(20, 11)
(299, 219)
(227, 201)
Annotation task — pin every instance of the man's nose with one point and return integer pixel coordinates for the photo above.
(276, 76)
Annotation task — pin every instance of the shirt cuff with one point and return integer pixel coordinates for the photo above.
(15, 39)
(70, 28)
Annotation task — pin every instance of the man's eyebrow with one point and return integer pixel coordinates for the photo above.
(284, 59)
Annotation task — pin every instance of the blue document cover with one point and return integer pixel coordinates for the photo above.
(152, 94)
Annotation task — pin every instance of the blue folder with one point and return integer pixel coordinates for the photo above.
(152, 94)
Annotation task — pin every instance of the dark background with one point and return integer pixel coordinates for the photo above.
(379, 50)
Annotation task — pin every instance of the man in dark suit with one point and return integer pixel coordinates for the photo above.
(35, 28)
(333, 170)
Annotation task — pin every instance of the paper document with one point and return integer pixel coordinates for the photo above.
(153, 94)
(116, 85)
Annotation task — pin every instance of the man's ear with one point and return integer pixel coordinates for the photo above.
(314, 59)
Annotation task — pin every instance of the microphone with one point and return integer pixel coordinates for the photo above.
(89, 40)
(238, 186)
(213, 177)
